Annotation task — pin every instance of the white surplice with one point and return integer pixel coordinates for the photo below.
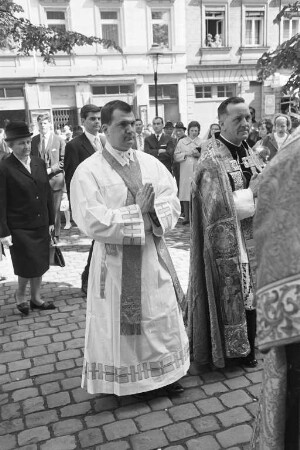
(114, 363)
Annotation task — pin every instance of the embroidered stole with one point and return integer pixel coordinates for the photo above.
(132, 177)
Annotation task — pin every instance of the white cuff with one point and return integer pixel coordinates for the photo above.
(244, 203)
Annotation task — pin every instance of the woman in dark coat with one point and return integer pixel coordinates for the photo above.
(26, 215)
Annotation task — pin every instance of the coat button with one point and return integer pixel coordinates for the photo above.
(39, 215)
(37, 197)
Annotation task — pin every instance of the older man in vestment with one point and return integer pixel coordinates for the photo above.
(221, 313)
(126, 201)
(277, 242)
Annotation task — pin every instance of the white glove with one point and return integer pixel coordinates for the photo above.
(6, 241)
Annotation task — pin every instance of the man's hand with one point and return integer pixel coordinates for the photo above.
(57, 167)
(254, 183)
(6, 241)
(145, 198)
(51, 229)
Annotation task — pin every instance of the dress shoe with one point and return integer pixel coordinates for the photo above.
(23, 308)
(249, 362)
(2, 278)
(174, 389)
(185, 222)
(43, 306)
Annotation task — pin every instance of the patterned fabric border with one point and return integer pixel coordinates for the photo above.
(278, 313)
(133, 226)
(132, 374)
(164, 214)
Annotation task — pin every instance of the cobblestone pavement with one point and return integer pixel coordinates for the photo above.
(43, 407)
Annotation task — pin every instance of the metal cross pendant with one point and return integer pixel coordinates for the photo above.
(253, 162)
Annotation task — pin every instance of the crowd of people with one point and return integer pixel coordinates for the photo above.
(127, 187)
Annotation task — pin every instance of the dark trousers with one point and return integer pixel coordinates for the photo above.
(57, 196)
(251, 329)
(292, 397)
(85, 273)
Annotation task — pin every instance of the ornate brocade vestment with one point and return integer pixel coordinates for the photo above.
(222, 259)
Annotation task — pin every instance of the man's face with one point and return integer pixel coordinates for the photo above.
(139, 126)
(44, 126)
(120, 132)
(92, 123)
(235, 125)
(157, 126)
(169, 131)
(281, 126)
(179, 132)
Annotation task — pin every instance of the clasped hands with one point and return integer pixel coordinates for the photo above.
(145, 198)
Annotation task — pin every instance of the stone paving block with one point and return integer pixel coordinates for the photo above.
(75, 343)
(30, 352)
(24, 335)
(65, 443)
(33, 435)
(19, 365)
(10, 411)
(3, 368)
(74, 372)
(191, 381)
(234, 416)
(56, 322)
(160, 403)
(8, 442)
(255, 390)
(150, 440)
(46, 331)
(237, 383)
(117, 445)
(71, 383)
(174, 447)
(234, 436)
(42, 340)
(96, 420)
(203, 443)
(106, 403)
(80, 395)
(10, 346)
(64, 365)
(205, 424)
(120, 429)
(233, 372)
(33, 404)
(78, 333)
(17, 385)
(28, 447)
(49, 377)
(41, 370)
(70, 426)
(62, 337)
(58, 399)
(188, 396)
(213, 376)
(10, 356)
(43, 360)
(18, 375)
(50, 388)
(133, 410)
(36, 326)
(69, 327)
(55, 347)
(11, 426)
(76, 410)
(255, 377)
(5, 379)
(235, 398)
(41, 418)
(68, 354)
(214, 388)
(157, 419)
(22, 394)
(90, 437)
(183, 412)
(252, 408)
(209, 405)
(178, 431)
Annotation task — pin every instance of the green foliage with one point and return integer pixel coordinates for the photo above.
(286, 56)
(19, 34)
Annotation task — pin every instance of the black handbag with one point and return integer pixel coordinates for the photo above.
(56, 256)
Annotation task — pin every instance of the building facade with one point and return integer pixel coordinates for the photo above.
(224, 41)
(29, 86)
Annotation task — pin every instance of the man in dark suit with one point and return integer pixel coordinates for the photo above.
(77, 150)
(51, 148)
(140, 135)
(159, 144)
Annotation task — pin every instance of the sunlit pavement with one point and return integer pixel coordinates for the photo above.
(43, 407)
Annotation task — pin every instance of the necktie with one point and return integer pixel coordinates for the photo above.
(140, 142)
(43, 148)
(97, 143)
(157, 137)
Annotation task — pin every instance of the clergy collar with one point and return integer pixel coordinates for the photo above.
(122, 157)
(231, 144)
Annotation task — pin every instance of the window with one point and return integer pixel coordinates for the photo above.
(214, 28)
(290, 27)
(254, 28)
(203, 91)
(112, 89)
(215, 91)
(56, 20)
(11, 92)
(110, 25)
(161, 27)
(164, 91)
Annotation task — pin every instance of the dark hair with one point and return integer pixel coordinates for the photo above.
(210, 127)
(86, 109)
(268, 123)
(222, 109)
(192, 124)
(110, 107)
(139, 120)
(44, 116)
(157, 117)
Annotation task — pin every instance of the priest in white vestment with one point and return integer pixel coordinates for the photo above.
(126, 201)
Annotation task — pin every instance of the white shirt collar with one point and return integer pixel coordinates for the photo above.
(27, 164)
(91, 137)
(122, 157)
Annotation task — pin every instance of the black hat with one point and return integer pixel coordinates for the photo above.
(180, 125)
(169, 125)
(16, 130)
